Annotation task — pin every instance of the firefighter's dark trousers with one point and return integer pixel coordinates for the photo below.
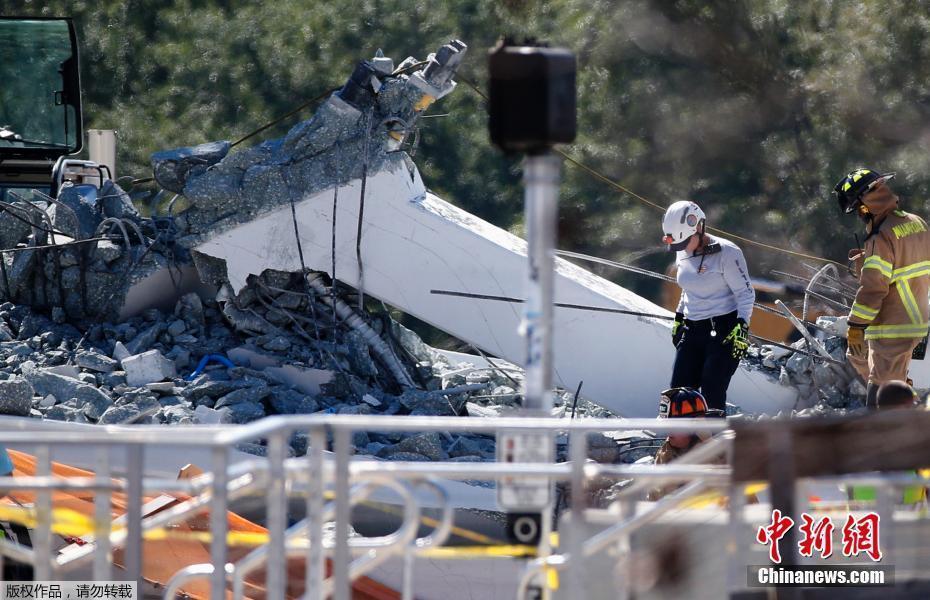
(704, 361)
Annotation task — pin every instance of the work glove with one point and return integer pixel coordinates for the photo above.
(678, 328)
(855, 339)
(738, 338)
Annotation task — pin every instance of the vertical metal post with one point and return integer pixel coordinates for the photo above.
(782, 478)
(276, 576)
(43, 537)
(736, 574)
(886, 497)
(578, 453)
(541, 181)
(219, 524)
(541, 178)
(103, 517)
(341, 553)
(317, 486)
(407, 587)
(134, 471)
(801, 503)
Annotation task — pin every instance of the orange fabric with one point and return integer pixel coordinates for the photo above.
(163, 558)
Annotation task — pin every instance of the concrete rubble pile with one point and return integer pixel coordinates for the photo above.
(79, 254)
(75, 346)
(823, 387)
(244, 357)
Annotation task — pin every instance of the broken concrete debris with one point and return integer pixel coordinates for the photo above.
(370, 116)
(821, 386)
(196, 364)
(293, 345)
(284, 369)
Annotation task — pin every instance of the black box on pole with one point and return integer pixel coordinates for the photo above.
(532, 97)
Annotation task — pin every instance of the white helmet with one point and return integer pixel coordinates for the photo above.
(681, 221)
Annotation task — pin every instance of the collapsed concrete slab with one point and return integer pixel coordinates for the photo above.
(340, 172)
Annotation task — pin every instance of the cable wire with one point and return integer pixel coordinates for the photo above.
(600, 176)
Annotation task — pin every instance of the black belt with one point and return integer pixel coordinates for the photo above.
(719, 321)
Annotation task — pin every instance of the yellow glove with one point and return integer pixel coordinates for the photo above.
(738, 339)
(678, 328)
(855, 339)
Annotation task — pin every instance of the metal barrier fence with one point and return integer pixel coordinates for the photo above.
(344, 479)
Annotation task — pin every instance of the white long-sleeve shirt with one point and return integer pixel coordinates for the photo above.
(721, 287)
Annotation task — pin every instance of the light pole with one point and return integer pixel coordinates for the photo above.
(532, 108)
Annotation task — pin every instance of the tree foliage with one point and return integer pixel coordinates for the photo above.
(753, 108)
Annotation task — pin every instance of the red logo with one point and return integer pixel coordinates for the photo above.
(818, 535)
(859, 535)
(772, 533)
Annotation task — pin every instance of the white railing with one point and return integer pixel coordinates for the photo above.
(331, 484)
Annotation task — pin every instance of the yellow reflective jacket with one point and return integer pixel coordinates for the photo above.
(895, 279)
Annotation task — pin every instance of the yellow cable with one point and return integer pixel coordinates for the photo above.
(461, 532)
(459, 552)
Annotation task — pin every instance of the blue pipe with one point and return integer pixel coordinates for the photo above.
(208, 358)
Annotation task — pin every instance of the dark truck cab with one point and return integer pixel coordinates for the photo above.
(40, 104)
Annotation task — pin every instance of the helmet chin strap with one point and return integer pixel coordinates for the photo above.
(865, 215)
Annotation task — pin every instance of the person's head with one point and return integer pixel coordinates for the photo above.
(683, 226)
(678, 403)
(866, 193)
(896, 394)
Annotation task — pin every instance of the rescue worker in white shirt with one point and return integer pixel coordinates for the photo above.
(711, 327)
(889, 315)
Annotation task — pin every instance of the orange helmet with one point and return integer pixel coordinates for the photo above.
(682, 402)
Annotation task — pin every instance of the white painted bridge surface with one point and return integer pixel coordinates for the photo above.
(413, 242)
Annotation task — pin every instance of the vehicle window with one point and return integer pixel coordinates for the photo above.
(33, 55)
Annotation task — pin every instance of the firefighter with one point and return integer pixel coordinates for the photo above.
(890, 312)
(711, 327)
(679, 403)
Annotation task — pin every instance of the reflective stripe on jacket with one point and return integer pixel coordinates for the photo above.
(895, 280)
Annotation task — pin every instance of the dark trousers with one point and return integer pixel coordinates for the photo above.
(703, 361)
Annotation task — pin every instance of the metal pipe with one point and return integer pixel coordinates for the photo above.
(541, 179)
(402, 469)
(557, 561)
(810, 285)
(443, 530)
(102, 517)
(135, 467)
(407, 580)
(599, 542)
(219, 524)
(43, 504)
(340, 575)
(23, 554)
(359, 493)
(371, 337)
(578, 452)
(703, 453)
(313, 588)
(186, 575)
(275, 568)
(268, 425)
